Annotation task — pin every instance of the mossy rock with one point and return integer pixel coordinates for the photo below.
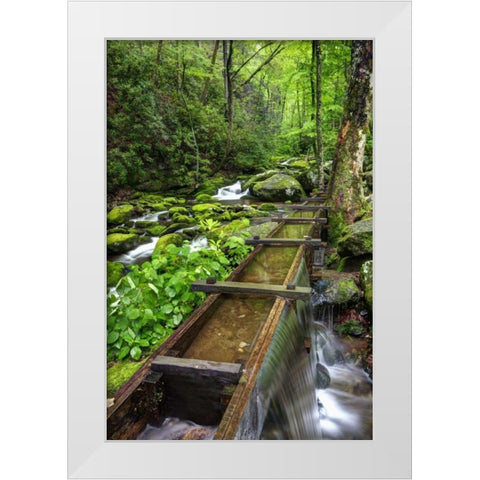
(206, 208)
(336, 288)
(143, 224)
(172, 228)
(120, 214)
(121, 242)
(169, 201)
(366, 281)
(205, 198)
(182, 210)
(169, 239)
(278, 188)
(357, 239)
(157, 230)
(267, 207)
(119, 230)
(114, 273)
(180, 218)
(259, 177)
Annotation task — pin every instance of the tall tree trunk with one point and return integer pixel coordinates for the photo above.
(318, 113)
(227, 47)
(345, 191)
(312, 93)
(209, 77)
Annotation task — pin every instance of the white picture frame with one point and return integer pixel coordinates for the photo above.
(388, 23)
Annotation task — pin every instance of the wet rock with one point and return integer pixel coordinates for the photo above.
(122, 242)
(120, 214)
(322, 376)
(335, 288)
(169, 239)
(278, 188)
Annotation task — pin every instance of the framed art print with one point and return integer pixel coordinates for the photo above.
(239, 239)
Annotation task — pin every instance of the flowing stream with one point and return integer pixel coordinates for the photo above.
(300, 395)
(231, 192)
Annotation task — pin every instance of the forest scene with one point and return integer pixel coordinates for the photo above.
(239, 239)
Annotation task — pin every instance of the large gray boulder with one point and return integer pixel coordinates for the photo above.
(278, 188)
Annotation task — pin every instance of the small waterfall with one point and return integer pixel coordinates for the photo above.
(231, 192)
(138, 255)
(151, 217)
(198, 244)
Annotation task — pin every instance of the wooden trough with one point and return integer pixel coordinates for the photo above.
(183, 379)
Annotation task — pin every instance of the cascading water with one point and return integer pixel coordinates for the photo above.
(138, 255)
(343, 391)
(231, 192)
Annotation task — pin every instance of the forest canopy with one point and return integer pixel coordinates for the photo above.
(179, 112)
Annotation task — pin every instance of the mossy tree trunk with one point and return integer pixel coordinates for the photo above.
(345, 191)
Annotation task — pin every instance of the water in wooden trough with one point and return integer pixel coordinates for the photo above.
(300, 393)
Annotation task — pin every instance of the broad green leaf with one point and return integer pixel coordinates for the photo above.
(136, 353)
(124, 351)
(112, 337)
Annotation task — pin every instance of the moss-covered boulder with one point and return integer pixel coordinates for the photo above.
(181, 218)
(157, 230)
(122, 242)
(366, 281)
(306, 172)
(205, 198)
(114, 273)
(267, 207)
(259, 177)
(120, 214)
(182, 210)
(203, 208)
(169, 239)
(335, 288)
(143, 224)
(278, 188)
(357, 239)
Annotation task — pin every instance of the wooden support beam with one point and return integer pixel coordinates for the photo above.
(291, 220)
(314, 199)
(302, 293)
(286, 242)
(187, 367)
(310, 208)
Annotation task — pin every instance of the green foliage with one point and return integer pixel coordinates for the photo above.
(155, 298)
(350, 328)
(166, 108)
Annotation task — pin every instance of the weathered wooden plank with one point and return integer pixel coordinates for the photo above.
(193, 367)
(320, 198)
(298, 293)
(290, 220)
(286, 242)
(310, 208)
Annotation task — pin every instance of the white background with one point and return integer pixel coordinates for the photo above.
(33, 240)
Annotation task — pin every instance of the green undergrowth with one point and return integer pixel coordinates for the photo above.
(153, 299)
